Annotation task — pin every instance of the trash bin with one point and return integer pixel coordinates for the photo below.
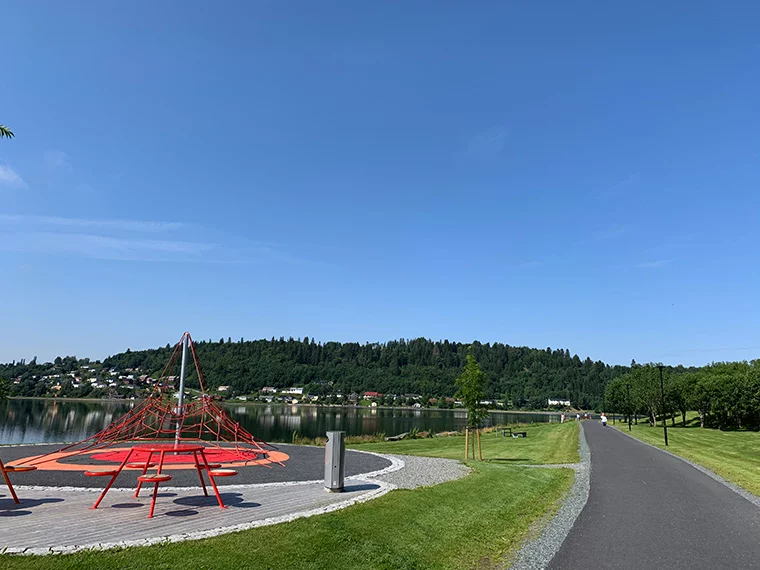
(335, 458)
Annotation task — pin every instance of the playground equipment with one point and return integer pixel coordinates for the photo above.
(160, 418)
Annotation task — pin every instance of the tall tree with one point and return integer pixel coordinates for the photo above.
(472, 388)
(6, 132)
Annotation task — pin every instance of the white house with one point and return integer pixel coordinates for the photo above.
(293, 390)
(553, 402)
(223, 388)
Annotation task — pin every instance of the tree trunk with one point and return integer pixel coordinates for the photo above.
(673, 420)
(480, 449)
(701, 418)
(683, 417)
(466, 443)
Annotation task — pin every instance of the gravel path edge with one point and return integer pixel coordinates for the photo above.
(537, 553)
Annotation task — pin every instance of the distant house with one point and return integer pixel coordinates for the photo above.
(372, 395)
(557, 402)
(223, 388)
(269, 390)
(293, 390)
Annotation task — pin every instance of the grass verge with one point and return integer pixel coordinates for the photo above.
(545, 444)
(472, 522)
(730, 454)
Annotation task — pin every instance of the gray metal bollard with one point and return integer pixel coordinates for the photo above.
(335, 459)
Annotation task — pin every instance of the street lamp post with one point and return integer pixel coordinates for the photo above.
(628, 387)
(664, 420)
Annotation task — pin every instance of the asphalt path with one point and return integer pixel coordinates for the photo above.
(305, 463)
(647, 509)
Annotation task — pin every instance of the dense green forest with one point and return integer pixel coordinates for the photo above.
(726, 394)
(519, 376)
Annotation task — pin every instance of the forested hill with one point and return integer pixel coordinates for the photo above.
(526, 377)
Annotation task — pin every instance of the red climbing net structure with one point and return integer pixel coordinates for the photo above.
(160, 417)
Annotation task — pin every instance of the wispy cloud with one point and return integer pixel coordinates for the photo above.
(103, 247)
(528, 264)
(132, 240)
(10, 178)
(652, 264)
(619, 188)
(485, 145)
(125, 225)
(680, 352)
(57, 159)
(610, 233)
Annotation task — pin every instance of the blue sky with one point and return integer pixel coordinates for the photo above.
(580, 175)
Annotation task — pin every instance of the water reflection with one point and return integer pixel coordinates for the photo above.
(34, 421)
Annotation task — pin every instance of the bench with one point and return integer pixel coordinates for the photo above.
(512, 433)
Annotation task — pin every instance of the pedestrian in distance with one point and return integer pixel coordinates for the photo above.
(604, 420)
(577, 417)
(562, 418)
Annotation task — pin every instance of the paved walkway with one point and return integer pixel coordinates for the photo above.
(647, 509)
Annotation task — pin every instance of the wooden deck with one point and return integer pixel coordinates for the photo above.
(60, 520)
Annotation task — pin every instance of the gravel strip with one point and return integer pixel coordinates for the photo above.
(536, 554)
(424, 471)
(754, 499)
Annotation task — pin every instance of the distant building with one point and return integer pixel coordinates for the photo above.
(223, 388)
(553, 402)
(293, 390)
(269, 390)
(372, 395)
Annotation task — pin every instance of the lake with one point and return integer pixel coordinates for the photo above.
(39, 421)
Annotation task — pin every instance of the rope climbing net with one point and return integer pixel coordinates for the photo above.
(160, 417)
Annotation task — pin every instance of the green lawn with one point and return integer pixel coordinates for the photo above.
(546, 443)
(731, 454)
(472, 522)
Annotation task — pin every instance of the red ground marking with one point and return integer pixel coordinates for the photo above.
(212, 455)
(53, 464)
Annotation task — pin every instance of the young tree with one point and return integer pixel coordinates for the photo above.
(472, 388)
(5, 132)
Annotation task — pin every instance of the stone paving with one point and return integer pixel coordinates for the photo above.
(60, 520)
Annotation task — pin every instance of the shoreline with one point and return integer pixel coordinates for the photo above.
(299, 405)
